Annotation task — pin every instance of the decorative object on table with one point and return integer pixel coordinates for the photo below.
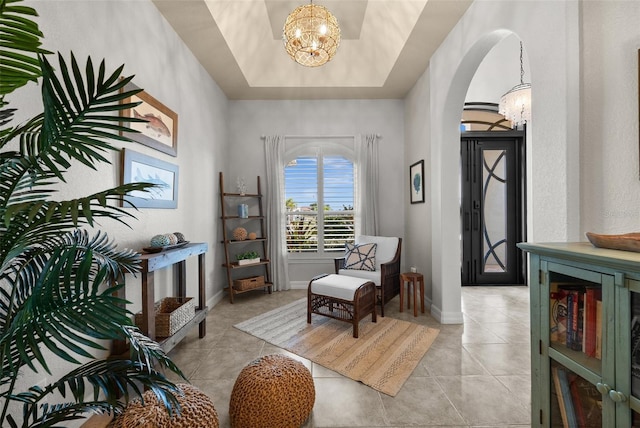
(241, 185)
(248, 257)
(416, 182)
(160, 241)
(273, 391)
(165, 241)
(624, 242)
(394, 347)
(243, 210)
(311, 35)
(55, 257)
(197, 411)
(252, 236)
(239, 233)
(171, 314)
(139, 168)
(160, 127)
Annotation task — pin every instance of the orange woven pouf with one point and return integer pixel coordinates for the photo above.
(274, 391)
(197, 411)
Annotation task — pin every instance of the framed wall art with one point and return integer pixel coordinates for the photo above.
(160, 130)
(139, 168)
(416, 182)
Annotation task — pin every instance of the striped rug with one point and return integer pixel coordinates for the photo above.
(383, 357)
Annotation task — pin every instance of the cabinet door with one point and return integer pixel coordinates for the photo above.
(577, 325)
(628, 355)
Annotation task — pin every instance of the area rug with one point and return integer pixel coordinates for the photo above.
(383, 357)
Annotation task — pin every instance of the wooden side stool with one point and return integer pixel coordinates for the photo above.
(412, 279)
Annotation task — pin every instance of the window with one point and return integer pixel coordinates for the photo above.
(319, 195)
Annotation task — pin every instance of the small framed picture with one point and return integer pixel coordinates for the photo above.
(416, 182)
(160, 131)
(139, 168)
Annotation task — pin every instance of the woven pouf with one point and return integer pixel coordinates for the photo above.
(196, 411)
(274, 391)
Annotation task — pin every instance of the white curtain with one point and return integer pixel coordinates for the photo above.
(274, 147)
(366, 148)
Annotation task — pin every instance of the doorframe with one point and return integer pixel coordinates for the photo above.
(521, 157)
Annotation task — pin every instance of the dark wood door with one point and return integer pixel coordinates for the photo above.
(492, 201)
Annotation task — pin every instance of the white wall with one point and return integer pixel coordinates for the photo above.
(135, 34)
(609, 139)
(249, 120)
(549, 30)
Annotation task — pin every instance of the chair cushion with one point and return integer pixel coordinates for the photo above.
(360, 257)
(364, 274)
(385, 250)
(339, 286)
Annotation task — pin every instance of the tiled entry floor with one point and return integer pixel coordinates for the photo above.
(474, 375)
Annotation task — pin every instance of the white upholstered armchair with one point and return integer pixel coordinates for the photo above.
(379, 263)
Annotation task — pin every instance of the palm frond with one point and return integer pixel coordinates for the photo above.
(71, 102)
(109, 377)
(20, 37)
(66, 304)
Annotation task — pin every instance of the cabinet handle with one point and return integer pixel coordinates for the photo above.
(617, 396)
(603, 388)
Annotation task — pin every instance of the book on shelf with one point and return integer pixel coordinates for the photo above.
(565, 402)
(592, 296)
(586, 400)
(598, 351)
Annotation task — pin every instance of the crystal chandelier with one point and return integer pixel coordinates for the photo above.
(515, 105)
(311, 35)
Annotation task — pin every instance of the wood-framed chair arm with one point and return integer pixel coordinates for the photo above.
(338, 263)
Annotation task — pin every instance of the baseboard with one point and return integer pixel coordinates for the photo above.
(446, 317)
(298, 285)
(215, 299)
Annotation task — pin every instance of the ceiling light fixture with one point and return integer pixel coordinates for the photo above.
(515, 105)
(311, 35)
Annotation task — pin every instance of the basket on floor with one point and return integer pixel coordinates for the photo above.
(172, 313)
(196, 411)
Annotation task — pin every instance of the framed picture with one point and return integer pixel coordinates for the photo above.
(416, 182)
(161, 129)
(139, 168)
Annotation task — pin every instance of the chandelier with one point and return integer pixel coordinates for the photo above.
(311, 35)
(515, 105)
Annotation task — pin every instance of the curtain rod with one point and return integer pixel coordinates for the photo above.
(319, 136)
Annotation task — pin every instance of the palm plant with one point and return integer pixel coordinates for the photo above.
(57, 280)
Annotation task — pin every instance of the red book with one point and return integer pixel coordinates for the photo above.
(592, 295)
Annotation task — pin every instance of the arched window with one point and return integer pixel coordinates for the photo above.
(319, 196)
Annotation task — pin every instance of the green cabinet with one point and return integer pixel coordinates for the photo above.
(585, 335)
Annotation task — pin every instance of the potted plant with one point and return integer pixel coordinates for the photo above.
(248, 257)
(57, 280)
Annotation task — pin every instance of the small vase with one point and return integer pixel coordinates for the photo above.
(243, 210)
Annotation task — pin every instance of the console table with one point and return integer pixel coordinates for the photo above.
(175, 258)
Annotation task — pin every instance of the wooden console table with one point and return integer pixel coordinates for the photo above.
(175, 258)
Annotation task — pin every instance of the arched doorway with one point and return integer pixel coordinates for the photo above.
(492, 197)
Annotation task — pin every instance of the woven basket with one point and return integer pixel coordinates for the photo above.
(248, 283)
(196, 411)
(172, 313)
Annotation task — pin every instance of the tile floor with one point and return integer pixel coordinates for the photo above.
(474, 375)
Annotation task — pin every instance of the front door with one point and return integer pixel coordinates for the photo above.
(492, 200)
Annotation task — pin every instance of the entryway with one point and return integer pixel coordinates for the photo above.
(492, 200)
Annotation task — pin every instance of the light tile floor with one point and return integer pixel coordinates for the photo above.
(474, 375)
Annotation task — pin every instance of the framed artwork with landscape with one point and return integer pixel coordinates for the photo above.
(140, 168)
(416, 182)
(160, 130)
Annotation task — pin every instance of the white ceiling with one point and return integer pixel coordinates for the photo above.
(385, 47)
